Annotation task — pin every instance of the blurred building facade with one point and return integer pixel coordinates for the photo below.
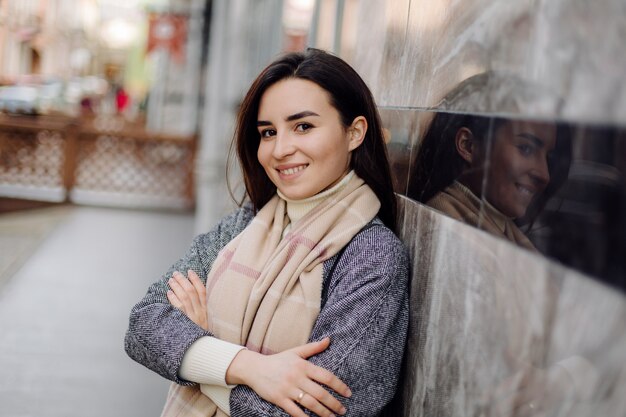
(84, 69)
(38, 37)
(176, 44)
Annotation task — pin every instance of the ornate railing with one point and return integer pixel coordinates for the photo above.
(94, 161)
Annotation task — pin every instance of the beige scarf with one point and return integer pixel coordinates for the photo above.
(264, 291)
(458, 202)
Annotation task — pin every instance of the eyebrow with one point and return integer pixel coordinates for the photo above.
(290, 118)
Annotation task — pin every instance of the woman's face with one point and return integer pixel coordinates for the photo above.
(304, 147)
(518, 165)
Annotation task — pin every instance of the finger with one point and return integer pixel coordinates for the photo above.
(313, 348)
(181, 295)
(311, 403)
(291, 408)
(178, 290)
(327, 378)
(198, 285)
(323, 397)
(174, 301)
(190, 291)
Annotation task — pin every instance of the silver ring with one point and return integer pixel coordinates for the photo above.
(300, 396)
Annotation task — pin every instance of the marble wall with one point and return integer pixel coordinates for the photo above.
(568, 50)
(498, 331)
(498, 328)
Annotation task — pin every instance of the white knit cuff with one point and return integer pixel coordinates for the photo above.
(219, 395)
(207, 360)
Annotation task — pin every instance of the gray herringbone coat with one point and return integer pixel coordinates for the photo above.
(364, 311)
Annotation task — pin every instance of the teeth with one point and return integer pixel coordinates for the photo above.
(524, 190)
(292, 170)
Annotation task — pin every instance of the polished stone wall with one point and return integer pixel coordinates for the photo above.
(498, 329)
(411, 52)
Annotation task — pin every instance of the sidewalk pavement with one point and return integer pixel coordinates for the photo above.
(64, 312)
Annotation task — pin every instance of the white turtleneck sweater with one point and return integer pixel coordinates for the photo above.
(208, 358)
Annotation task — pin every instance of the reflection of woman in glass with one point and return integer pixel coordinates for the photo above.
(496, 174)
(298, 300)
(492, 173)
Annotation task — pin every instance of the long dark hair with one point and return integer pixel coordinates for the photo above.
(437, 163)
(348, 94)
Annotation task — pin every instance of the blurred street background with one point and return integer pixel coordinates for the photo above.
(103, 108)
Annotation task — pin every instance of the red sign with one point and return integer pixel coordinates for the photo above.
(169, 32)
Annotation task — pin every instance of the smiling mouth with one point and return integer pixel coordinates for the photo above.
(292, 170)
(525, 190)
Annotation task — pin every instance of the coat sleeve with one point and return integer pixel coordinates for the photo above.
(158, 334)
(365, 314)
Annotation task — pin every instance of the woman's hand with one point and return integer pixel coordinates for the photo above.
(288, 378)
(189, 296)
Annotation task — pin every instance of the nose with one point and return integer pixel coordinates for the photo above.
(541, 172)
(283, 146)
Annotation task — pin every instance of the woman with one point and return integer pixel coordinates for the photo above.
(311, 258)
(492, 173)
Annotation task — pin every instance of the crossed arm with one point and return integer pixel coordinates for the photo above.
(283, 379)
(364, 312)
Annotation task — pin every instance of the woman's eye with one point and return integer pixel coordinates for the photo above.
(525, 149)
(266, 133)
(303, 127)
